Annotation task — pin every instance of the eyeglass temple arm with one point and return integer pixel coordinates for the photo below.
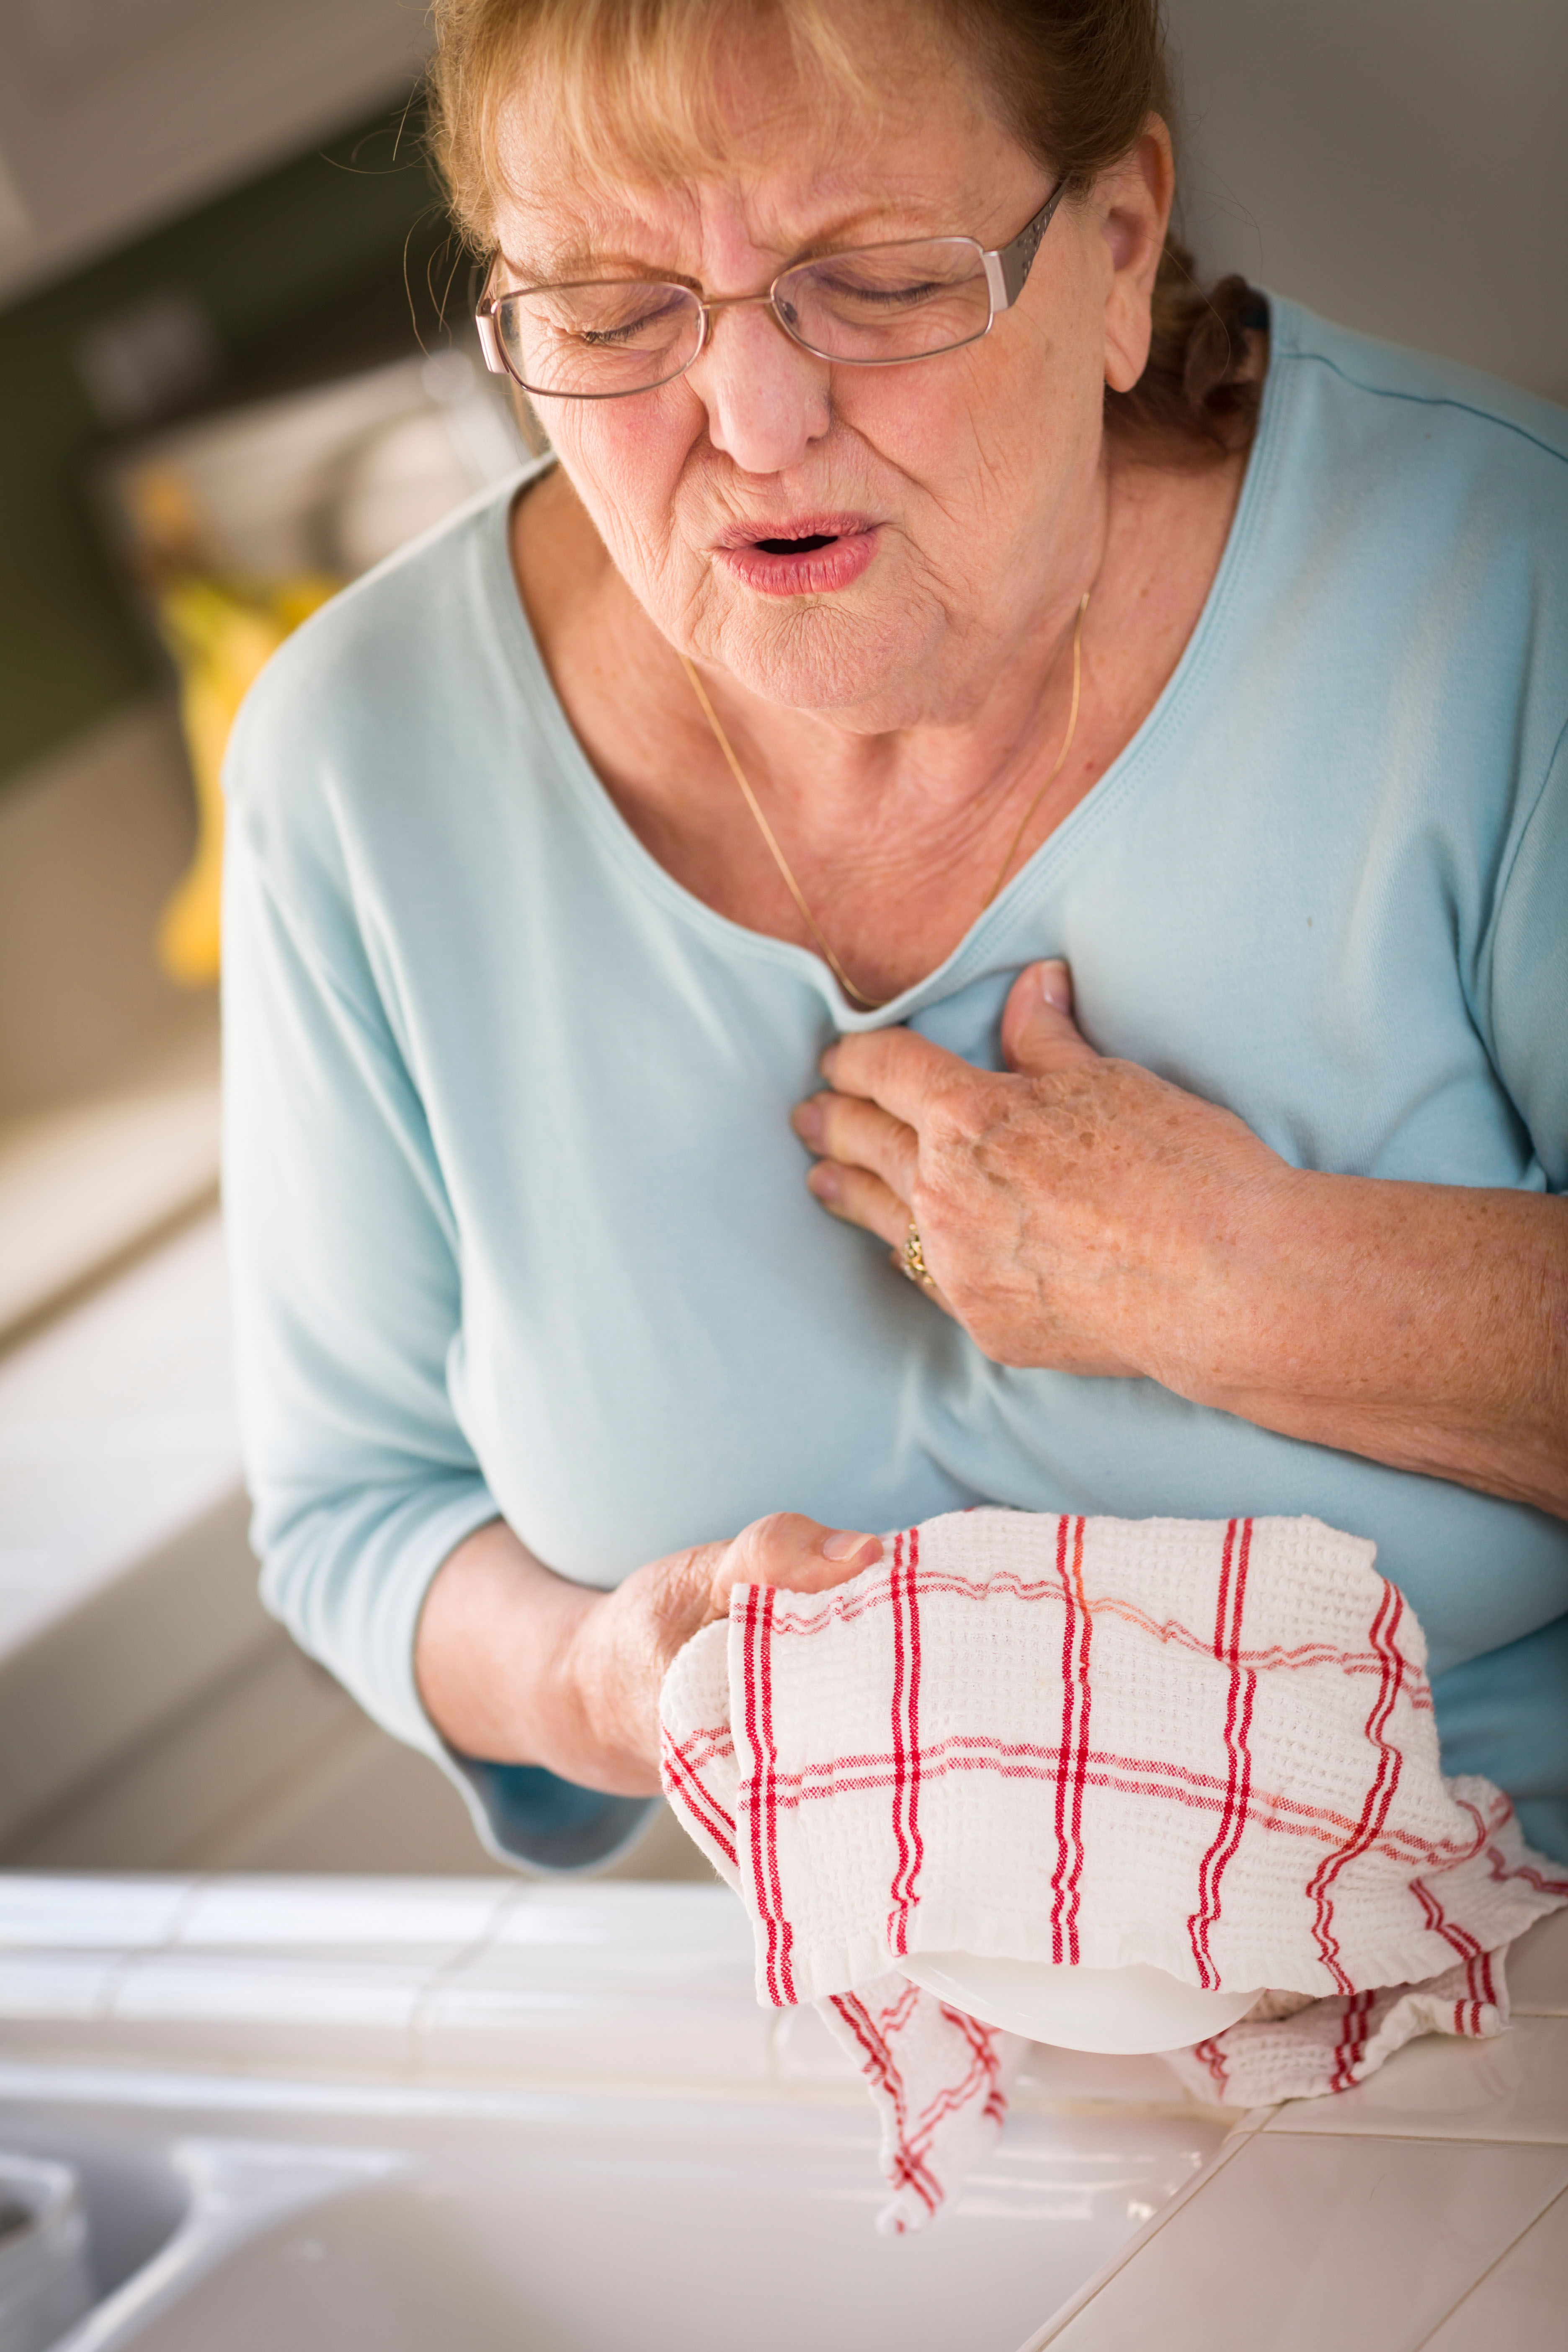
(483, 310)
(1008, 266)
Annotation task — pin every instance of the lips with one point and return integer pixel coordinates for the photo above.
(818, 522)
(798, 555)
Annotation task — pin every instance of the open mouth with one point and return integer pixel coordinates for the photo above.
(806, 546)
(803, 563)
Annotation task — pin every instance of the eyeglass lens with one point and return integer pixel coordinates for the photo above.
(866, 308)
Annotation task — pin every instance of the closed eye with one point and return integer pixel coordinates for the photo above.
(627, 330)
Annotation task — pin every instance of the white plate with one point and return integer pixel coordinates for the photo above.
(1123, 2011)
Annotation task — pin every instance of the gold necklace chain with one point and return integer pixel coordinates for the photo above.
(875, 1003)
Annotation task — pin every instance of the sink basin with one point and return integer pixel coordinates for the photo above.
(587, 2225)
(44, 2283)
(408, 2117)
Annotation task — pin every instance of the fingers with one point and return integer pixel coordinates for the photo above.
(896, 1067)
(860, 1199)
(858, 1134)
(798, 1554)
(1038, 1032)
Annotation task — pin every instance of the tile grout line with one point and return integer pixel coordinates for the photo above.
(1556, 2135)
(1421, 2139)
(1245, 2130)
(131, 1957)
(445, 1971)
(1480, 2280)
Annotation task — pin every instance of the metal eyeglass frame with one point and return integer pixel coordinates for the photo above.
(1006, 267)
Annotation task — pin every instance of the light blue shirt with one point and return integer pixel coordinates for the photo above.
(518, 1223)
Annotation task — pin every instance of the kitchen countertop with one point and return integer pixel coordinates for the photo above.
(1422, 2212)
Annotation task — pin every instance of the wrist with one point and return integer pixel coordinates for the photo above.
(606, 1730)
(491, 1651)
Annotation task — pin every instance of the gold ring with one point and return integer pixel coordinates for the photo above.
(913, 1262)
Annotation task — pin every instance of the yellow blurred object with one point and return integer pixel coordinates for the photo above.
(220, 637)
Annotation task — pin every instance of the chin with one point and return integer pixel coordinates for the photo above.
(828, 656)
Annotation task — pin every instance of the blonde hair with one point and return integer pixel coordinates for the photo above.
(1074, 81)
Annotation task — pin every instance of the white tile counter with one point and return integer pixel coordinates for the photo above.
(1428, 2207)
(577, 2080)
(487, 2024)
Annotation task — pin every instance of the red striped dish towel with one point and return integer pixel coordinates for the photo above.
(1208, 1745)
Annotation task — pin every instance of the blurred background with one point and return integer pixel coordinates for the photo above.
(235, 368)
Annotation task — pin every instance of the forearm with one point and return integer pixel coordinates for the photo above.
(1425, 1326)
(521, 1666)
(499, 1662)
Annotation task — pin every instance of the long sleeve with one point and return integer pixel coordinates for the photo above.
(347, 1293)
(347, 1285)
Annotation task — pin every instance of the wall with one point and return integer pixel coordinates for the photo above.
(92, 840)
(1400, 165)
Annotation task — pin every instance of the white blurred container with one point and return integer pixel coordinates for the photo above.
(326, 480)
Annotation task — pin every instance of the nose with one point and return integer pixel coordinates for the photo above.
(766, 399)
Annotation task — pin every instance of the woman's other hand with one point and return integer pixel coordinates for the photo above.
(520, 1665)
(1075, 1211)
(630, 1638)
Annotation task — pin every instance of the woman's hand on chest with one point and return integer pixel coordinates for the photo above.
(1082, 1215)
(1074, 1213)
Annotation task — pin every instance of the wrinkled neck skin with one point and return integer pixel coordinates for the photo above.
(895, 719)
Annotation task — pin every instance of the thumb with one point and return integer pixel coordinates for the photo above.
(1038, 1032)
(800, 1554)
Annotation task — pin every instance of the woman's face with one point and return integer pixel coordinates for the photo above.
(962, 488)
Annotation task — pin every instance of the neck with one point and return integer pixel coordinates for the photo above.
(892, 819)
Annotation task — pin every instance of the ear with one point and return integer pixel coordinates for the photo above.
(1135, 201)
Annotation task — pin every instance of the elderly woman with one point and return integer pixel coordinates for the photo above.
(969, 754)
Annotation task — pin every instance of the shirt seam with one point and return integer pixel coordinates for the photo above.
(308, 949)
(1505, 882)
(1426, 399)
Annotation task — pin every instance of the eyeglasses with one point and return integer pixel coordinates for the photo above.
(876, 306)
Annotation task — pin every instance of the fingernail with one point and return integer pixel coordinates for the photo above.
(823, 1180)
(840, 1544)
(807, 1120)
(1055, 985)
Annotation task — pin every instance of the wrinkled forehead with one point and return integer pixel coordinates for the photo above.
(644, 227)
(586, 165)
